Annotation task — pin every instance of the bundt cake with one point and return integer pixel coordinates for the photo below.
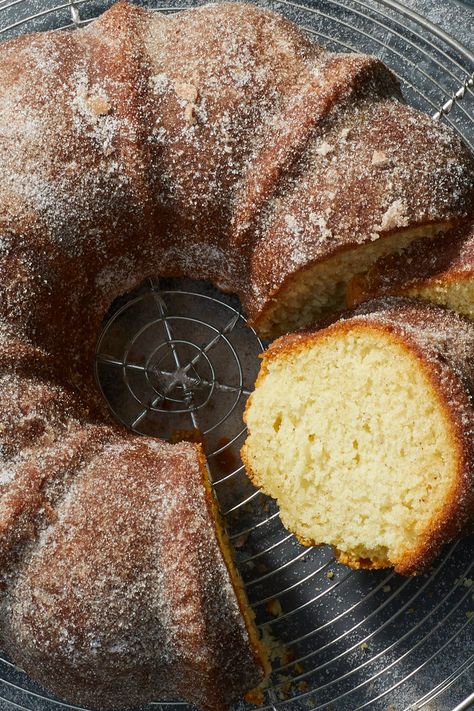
(363, 432)
(440, 270)
(219, 143)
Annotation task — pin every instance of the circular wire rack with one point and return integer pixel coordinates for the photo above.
(176, 359)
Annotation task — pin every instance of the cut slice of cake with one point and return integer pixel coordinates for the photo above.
(363, 432)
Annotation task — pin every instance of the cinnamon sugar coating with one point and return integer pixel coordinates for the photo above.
(130, 564)
(218, 143)
(115, 590)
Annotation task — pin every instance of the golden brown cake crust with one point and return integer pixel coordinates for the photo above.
(116, 589)
(443, 342)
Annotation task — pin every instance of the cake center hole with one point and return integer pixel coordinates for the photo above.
(177, 356)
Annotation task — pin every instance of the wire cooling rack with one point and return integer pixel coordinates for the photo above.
(177, 359)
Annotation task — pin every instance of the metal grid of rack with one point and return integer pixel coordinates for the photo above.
(177, 359)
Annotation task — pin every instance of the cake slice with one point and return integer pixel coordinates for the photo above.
(363, 432)
(440, 270)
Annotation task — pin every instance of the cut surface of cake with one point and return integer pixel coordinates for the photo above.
(363, 433)
(440, 270)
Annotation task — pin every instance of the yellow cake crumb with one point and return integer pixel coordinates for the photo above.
(329, 455)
